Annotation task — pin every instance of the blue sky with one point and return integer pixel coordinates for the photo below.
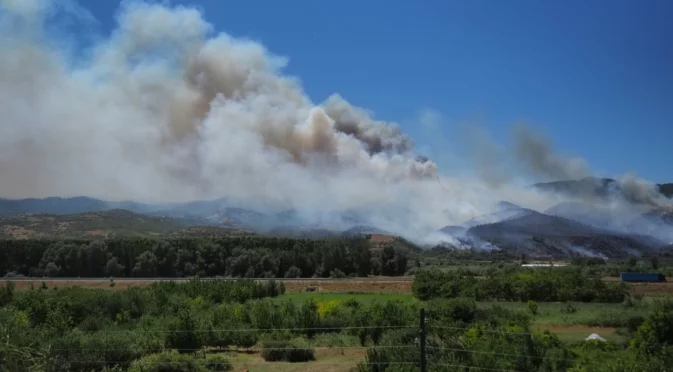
(596, 76)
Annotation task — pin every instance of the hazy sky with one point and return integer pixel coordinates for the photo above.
(596, 76)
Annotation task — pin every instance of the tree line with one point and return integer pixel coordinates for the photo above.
(182, 257)
(518, 284)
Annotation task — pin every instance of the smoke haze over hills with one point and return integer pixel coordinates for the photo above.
(167, 109)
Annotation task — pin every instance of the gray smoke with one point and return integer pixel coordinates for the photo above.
(488, 157)
(539, 157)
(639, 191)
(165, 109)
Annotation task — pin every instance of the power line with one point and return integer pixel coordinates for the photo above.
(473, 367)
(255, 348)
(243, 330)
(258, 330)
(210, 362)
(483, 330)
(498, 353)
(205, 361)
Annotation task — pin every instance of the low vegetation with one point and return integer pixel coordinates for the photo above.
(89, 225)
(555, 284)
(483, 311)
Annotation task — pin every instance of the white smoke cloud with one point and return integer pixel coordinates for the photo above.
(166, 110)
(25, 8)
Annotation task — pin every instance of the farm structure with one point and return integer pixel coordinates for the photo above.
(642, 277)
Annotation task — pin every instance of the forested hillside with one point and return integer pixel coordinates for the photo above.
(101, 224)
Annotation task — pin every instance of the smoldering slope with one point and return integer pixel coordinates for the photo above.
(166, 109)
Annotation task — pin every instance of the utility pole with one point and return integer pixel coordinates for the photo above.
(424, 367)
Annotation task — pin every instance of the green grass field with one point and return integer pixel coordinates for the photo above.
(327, 360)
(582, 320)
(586, 318)
(590, 314)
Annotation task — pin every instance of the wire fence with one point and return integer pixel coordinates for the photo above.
(303, 329)
(432, 355)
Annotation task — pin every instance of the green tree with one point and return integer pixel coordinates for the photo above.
(146, 265)
(656, 332)
(532, 307)
(293, 272)
(183, 335)
(113, 268)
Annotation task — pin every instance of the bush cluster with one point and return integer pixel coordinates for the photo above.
(557, 285)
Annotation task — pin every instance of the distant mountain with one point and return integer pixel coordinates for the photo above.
(565, 229)
(507, 211)
(80, 204)
(364, 230)
(592, 186)
(301, 232)
(544, 235)
(656, 224)
(104, 224)
(666, 189)
(589, 186)
(589, 214)
(453, 230)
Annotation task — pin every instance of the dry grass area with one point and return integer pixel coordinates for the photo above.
(327, 360)
(210, 232)
(378, 238)
(652, 289)
(102, 283)
(392, 285)
(350, 286)
(373, 285)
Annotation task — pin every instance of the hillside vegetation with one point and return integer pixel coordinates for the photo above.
(105, 224)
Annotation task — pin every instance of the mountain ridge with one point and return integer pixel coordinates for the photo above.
(567, 228)
(594, 186)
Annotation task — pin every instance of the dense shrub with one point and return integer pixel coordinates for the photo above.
(557, 285)
(174, 362)
(218, 363)
(287, 351)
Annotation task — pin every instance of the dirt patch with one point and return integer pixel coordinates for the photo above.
(350, 286)
(651, 289)
(94, 284)
(327, 360)
(97, 232)
(382, 238)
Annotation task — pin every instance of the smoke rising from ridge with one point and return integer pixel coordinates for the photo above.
(167, 110)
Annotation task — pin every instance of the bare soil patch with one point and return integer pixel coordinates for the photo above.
(327, 360)
(103, 283)
(652, 289)
(392, 285)
(350, 286)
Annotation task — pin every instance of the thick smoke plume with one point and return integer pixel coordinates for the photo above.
(166, 109)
